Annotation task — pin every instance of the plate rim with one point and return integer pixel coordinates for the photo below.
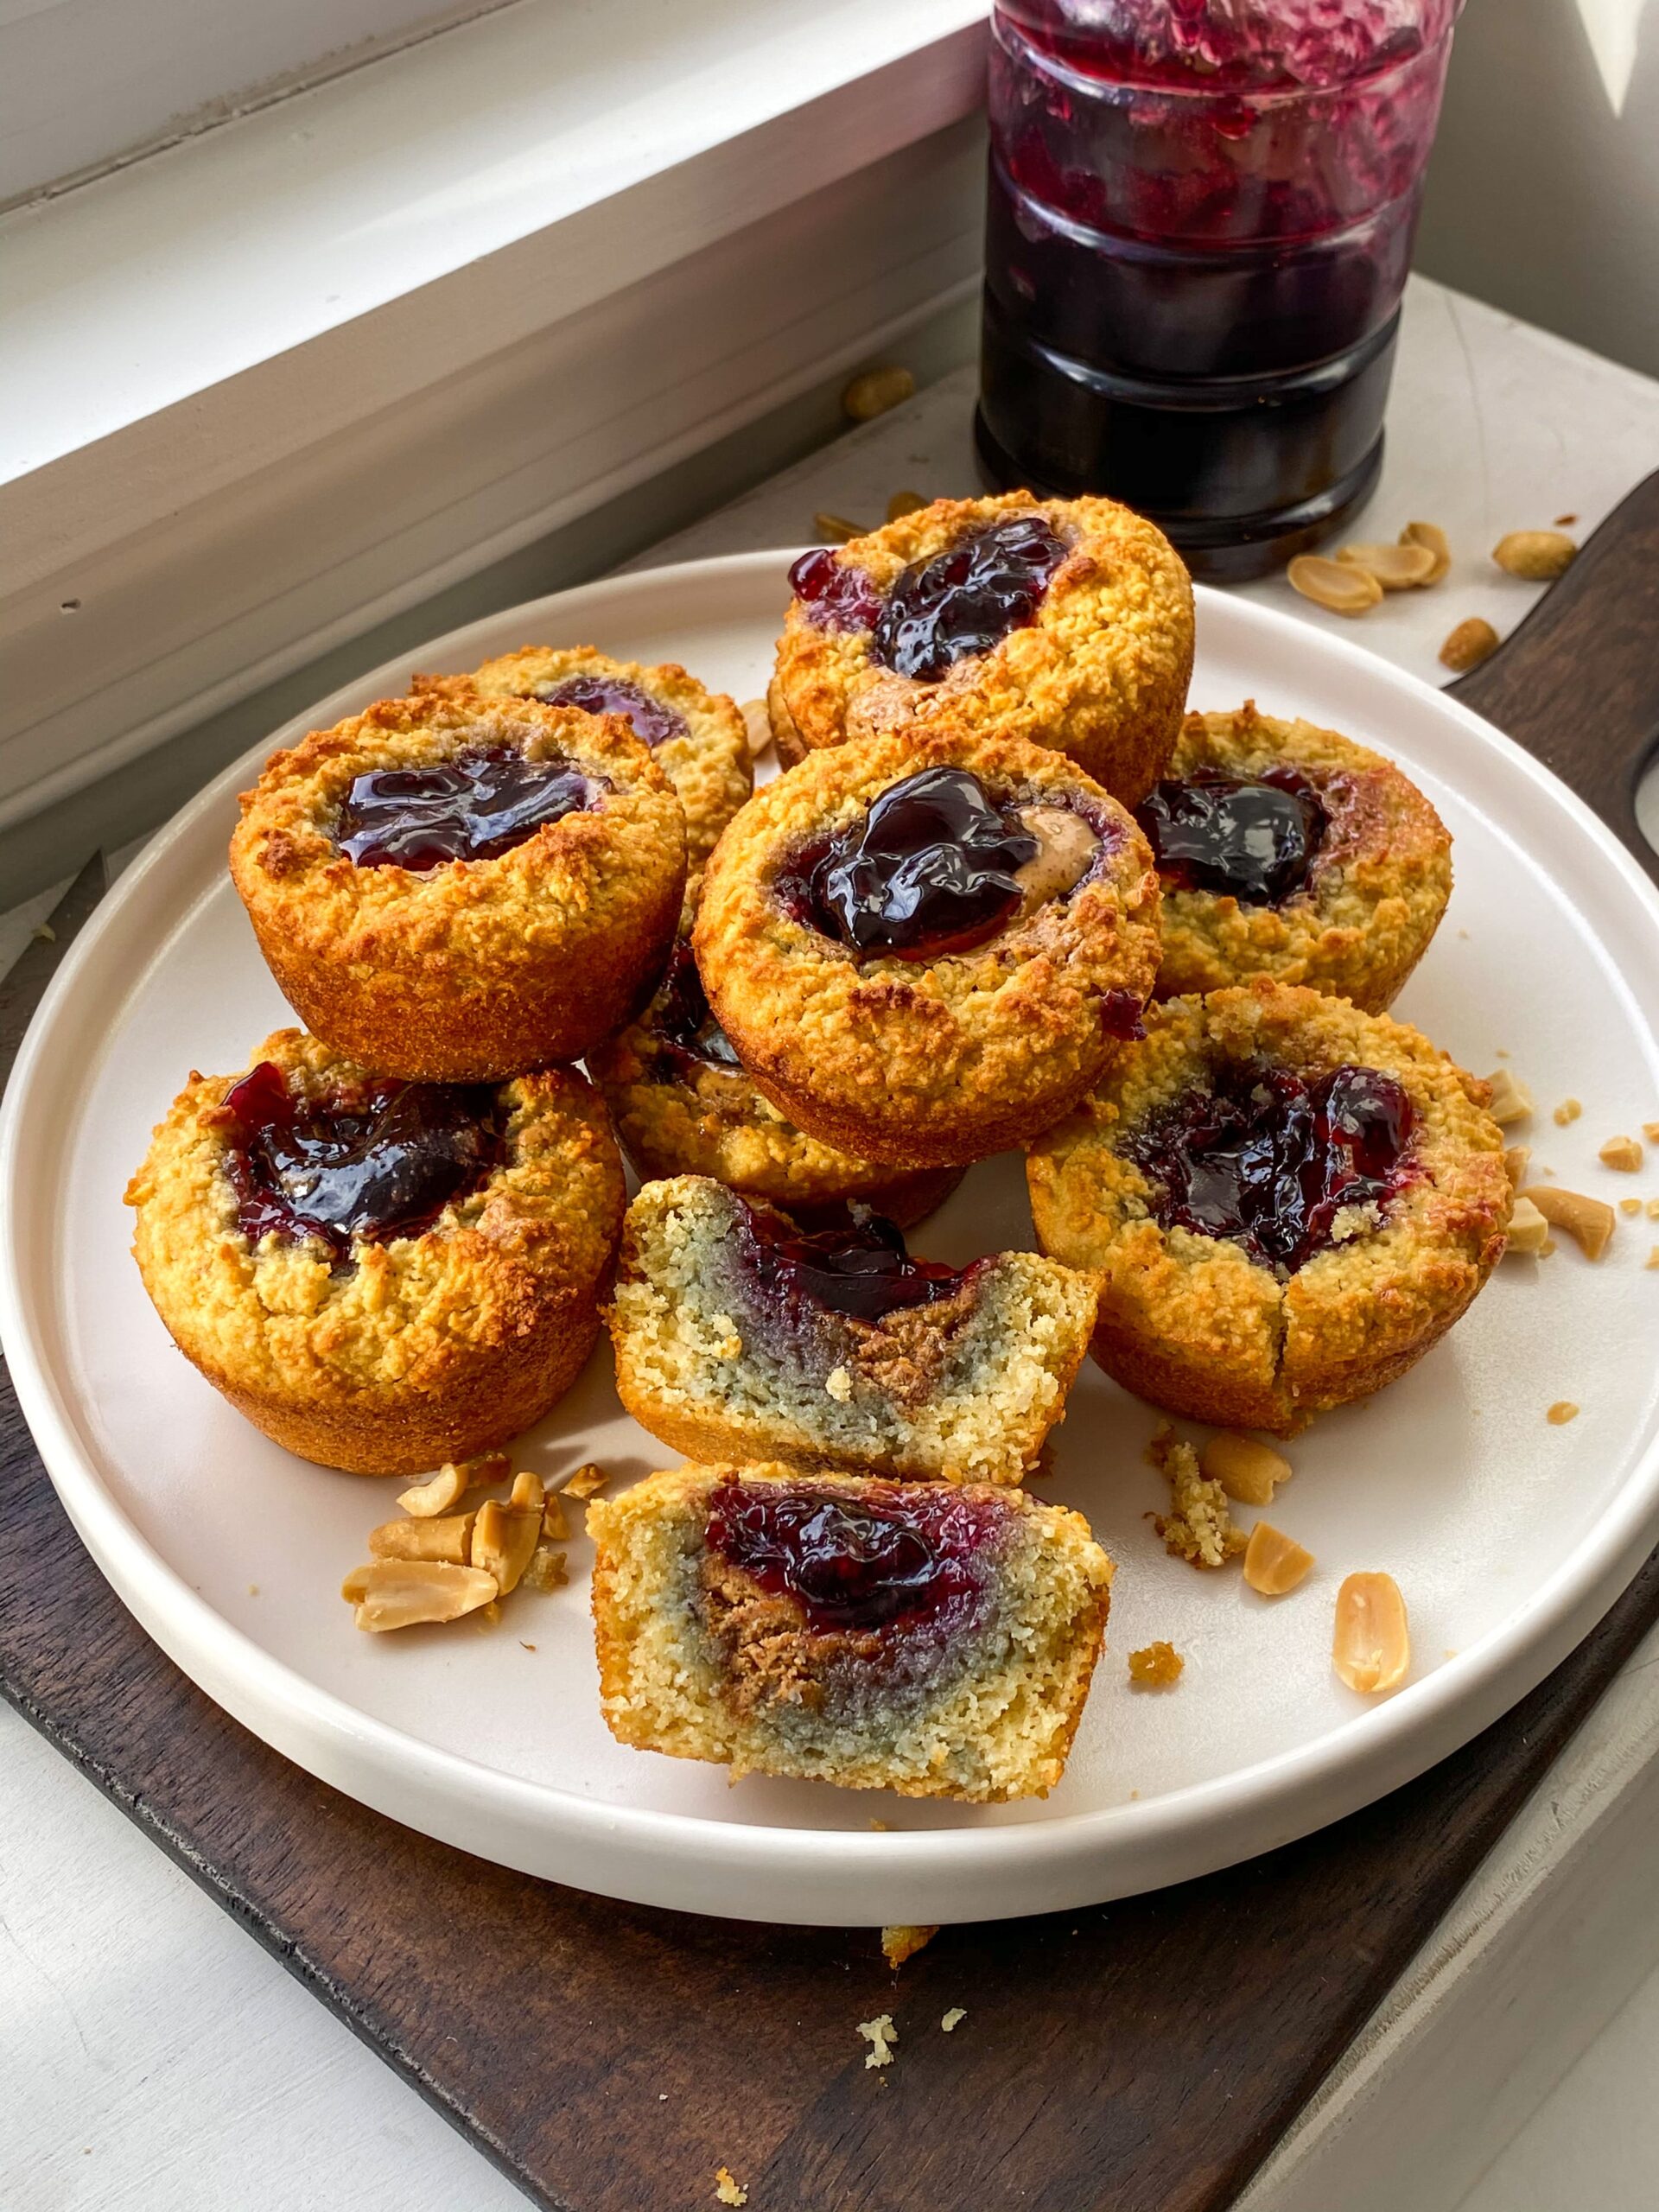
(683, 1860)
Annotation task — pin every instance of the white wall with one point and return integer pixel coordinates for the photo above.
(1544, 192)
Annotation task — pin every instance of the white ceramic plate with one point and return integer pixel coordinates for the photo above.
(1509, 1536)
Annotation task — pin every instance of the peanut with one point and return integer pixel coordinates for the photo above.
(587, 1481)
(757, 722)
(1528, 1232)
(1471, 641)
(1431, 535)
(1371, 1647)
(836, 529)
(1561, 1413)
(528, 1495)
(1537, 556)
(504, 1542)
(447, 1537)
(400, 1594)
(1514, 1163)
(1273, 1562)
(904, 503)
(1343, 590)
(446, 1488)
(1510, 1101)
(1589, 1221)
(1622, 1153)
(875, 392)
(1396, 568)
(1566, 1113)
(1247, 1470)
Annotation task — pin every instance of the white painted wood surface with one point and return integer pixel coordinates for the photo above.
(155, 2061)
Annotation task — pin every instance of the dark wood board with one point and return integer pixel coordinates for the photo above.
(1142, 2056)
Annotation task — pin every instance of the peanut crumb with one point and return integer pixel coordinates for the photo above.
(587, 1481)
(1529, 1232)
(727, 2190)
(954, 2017)
(1622, 1153)
(1510, 1101)
(1200, 1529)
(1653, 1209)
(1561, 1413)
(1650, 1130)
(1248, 1470)
(1155, 1667)
(253, 1589)
(1629, 1205)
(1567, 1111)
(880, 2034)
(899, 1943)
(1653, 1256)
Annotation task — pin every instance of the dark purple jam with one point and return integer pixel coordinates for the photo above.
(653, 721)
(916, 1556)
(376, 1163)
(930, 870)
(836, 594)
(1254, 841)
(861, 1271)
(967, 598)
(1267, 1160)
(684, 1023)
(469, 809)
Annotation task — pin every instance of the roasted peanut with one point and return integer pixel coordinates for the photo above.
(1343, 589)
(1247, 1470)
(1371, 1647)
(1537, 556)
(1471, 641)
(875, 392)
(1589, 1221)
(1273, 1562)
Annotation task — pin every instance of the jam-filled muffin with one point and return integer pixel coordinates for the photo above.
(381, 1275)
(910, 1637)
(454, 889)
(1288, 1202)
(1284, 849)
(925, 948)
(739, 1336)
(682, 1105)
(1065, 621)
(697, 737)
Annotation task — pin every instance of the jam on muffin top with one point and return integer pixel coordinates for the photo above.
(653, 721)
(473, 808)
(1252, 839)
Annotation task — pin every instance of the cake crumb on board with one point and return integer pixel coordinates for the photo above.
(728, 2191)
(880, 2034)
(900, 1942)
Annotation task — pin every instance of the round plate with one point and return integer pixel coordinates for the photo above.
(1509, 1536)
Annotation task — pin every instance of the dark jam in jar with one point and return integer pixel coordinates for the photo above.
(967, 598)
(473, 808)
(684, 1023)
(883, 1557)
(861, 1271)
(654, 722)
(1253, 840)
(375, 1163)
(836, 594)
(1269, 1158)
(930, 869)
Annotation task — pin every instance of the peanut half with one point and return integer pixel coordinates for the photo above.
(447, 1488)
(1396, 568)
(402, 1594)
(1431, 535)
(1273, 1562)
(1371, 1647)
(1589, 1221)
(836, 529)
(875, 392)
(448, 1536)
(1333, 584)
(757, 723)
(1246, 1470)
(1471, 641)
(504, 1541)
(1622, 1153)
(1536, 555)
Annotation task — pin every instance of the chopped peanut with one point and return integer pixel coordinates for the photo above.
(554, 1522)
(445, 1536)
(447, 1488)
(1246, 1470)
(1589, 1221)
(875, 391)
(1515, 1161)
(1652, 1260)
(1653, 1209)
(1511, 1100)
(757, 724)
(1273, 1562)
(400, 1593)
(904, 503)
(1529, 1232)
(1650, 1130)
(1561, 1413)
(587, 1481)
(1431, 535)
(1155, 1667)
(1629, 1205)
(527, 1493)
(1371, 1648)
(1568, 1112)
(504, 1541)
(1622, 1153)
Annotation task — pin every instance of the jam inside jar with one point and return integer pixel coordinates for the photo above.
(1252, 839)
(376, 1162)
(861, 1271)
(1269, 1160)
(473, 808)
(967, 598)
(930, 869)
(860, 1562)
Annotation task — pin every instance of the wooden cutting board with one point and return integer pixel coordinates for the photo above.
(1142, 2056)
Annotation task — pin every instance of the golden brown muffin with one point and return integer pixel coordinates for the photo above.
(924, 948)
(1068, 622)
(682, 1105)
(697, 737)
(1287, 850)
(1290, 1203)
(480, 930)
(380, 1275)
(883, 1636)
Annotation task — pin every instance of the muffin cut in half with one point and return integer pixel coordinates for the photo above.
(737, 1337)
(683, 1105)
(1286, 850)
(381, 1275)
(884, 1636)
(454, 889)
(1067, 622)
(1288, 1202)
(925, 949)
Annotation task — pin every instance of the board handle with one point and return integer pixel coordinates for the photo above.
(1577, 683)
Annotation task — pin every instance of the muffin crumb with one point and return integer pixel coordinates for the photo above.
(880, 2034)
(728, 2191)
(1200, 1529)
(954, 2017)
(1155, 1667)
(902, 1942)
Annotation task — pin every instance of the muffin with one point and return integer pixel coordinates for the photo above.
(452, 889)
(737, 1337)
(1288, 1201)
(697, 737)
(883, 1636)
(682, 1105)
(1068, 622)
(925, 948)
(381, 1275)
(1286, 850)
